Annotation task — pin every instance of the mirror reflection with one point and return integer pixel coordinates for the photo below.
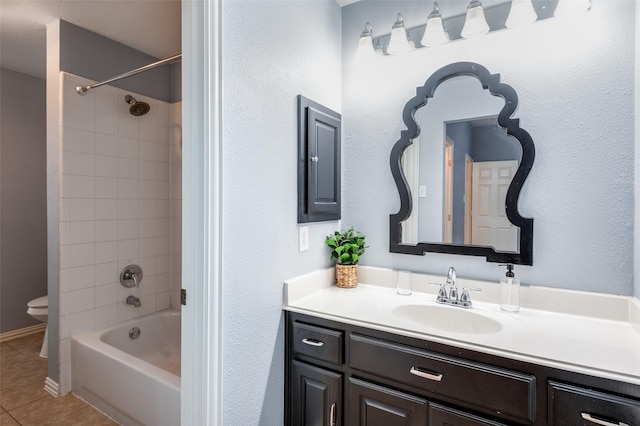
(459, 169)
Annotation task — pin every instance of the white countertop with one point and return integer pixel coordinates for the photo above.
(590, 333)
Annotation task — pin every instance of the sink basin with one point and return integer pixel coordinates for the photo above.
(447, 318)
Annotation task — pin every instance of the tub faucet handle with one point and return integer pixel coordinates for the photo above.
(131, 276)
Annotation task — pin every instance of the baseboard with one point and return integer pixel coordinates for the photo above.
(52, 386)
(22, 332)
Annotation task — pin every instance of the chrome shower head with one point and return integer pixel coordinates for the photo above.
(137, 108)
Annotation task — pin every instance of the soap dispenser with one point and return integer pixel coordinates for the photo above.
(509, 291)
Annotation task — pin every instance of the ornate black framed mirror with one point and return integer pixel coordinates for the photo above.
(459, 168)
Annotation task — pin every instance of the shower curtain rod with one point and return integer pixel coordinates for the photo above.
(82, 90)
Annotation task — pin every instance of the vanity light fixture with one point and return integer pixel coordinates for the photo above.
(365, 50)
(567, 8)
(434, 33)
(475, 24)
(521, 14)
(398, 43)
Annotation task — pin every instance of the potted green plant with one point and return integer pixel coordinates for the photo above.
(346, 248)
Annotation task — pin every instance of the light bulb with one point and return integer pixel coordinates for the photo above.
(521, 14)
(434, 33)
(475, 23)
(398, 43)
(365, 50)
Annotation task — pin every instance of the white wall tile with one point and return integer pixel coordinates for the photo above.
(79, 118)
(147, 150)
(164, 153)
(128, 189)
(147, 247)
(106, 166)
(127, 209)
(147, 286)
(163, 301)
(107, 99)
(81, 209)
(75, 140)
(147, 169)
(106, 230)
(163, 228)
(163, 264)
(163, 172)
(105, 295)
(147, 228)
(148, 305)
(127, 168)
(147, 189)
(106, 123)
(106, 187)
(75, 255)
(71, 97)
(106, 209)
(148, 131)
(81, 322)
(77, 232)
(107, 273)
(147, 209)
(163, 208)
(77, 301)
(164, 112)
(127, 229)
(127, 128)
(127, 148)
(105, 316)
(77, 163)
(106, 144)
(127, 249)
(126, 312)
(106, 252)
(78, 186)
(77, 278)
(148, 265)
(163, 282)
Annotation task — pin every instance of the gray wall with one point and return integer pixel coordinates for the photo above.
(271, 52)
(575, 83)
(96, 57)
(23, 216)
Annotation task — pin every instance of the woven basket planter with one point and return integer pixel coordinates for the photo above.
(346, 276)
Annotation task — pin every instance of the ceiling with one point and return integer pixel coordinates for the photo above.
(151, 26)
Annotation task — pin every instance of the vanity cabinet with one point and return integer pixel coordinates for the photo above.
(341, 374)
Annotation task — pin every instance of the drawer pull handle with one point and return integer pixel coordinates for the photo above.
(588, 417)
(436, 377)
(313, 342)
(332, 415)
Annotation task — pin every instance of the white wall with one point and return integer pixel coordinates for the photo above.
(575, 82)
(271, 52)
(114, 209)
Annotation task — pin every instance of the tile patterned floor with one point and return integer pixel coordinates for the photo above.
(23, 400)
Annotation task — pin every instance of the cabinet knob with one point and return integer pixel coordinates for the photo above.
(314, 159)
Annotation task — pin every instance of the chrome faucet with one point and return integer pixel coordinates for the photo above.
(132, 300)
(452, 298)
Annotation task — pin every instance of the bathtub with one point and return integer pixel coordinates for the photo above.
(134, 381)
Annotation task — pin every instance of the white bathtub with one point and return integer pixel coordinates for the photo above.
(135, 381)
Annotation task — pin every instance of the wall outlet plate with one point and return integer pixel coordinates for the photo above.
(303, 238)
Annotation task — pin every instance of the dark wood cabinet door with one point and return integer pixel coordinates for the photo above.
(316, 396)
(445, 416)
(373, 405)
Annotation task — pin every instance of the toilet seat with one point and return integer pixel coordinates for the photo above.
(40, 302)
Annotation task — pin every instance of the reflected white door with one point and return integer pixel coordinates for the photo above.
(490, 225)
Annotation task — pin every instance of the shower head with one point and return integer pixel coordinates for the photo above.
(137, 108)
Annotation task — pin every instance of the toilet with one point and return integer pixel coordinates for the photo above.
(39, 309)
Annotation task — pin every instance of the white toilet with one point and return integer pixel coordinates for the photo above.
(39, 309)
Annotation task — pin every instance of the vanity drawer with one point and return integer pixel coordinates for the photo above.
(318, 342)
(491, 389)
(573, 405)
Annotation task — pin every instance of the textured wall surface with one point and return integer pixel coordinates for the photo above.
(23, 219)
(575, 81)
(271, 52)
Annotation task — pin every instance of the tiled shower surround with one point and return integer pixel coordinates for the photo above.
(120, 187)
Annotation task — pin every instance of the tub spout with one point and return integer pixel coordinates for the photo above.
(132, 300)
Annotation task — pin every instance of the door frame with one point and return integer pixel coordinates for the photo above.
(201, 390)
